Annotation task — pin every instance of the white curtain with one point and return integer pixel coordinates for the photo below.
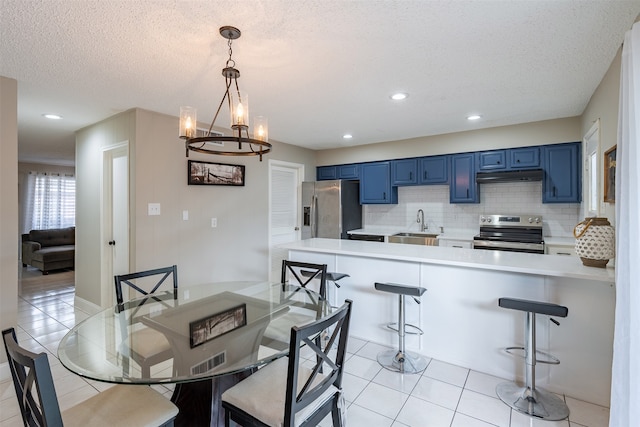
(625, 382)
(50, 201)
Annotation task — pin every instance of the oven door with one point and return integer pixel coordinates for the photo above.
(493, 245)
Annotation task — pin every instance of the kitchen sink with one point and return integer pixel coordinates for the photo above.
(426, 239)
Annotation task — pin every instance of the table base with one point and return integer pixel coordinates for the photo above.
(200, 402)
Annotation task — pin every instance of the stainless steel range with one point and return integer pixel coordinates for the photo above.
(514, 233)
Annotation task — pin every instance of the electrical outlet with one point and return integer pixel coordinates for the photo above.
(214, 222)
(154, 208)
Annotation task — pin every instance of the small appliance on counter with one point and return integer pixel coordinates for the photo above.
(514, 233)
(330, 209)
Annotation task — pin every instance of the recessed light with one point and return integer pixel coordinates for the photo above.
(347, 136)
(399, 96)
(474, 117)
(52, 116)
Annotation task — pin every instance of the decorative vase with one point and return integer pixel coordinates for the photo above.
(594, 241)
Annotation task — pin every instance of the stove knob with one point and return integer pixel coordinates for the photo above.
(530, 220)
(482, 219)
(489, 219)
(537, 220)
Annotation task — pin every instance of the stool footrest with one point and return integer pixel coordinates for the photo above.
(414, 329)
(550, 359)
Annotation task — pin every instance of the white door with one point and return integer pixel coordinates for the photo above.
(115, 241)
(285, 184)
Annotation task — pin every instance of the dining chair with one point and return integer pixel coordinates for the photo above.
(289, 393)
(133, 405)
(146, 346)
(303, 273)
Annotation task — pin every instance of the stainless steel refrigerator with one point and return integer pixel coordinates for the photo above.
(330, 208)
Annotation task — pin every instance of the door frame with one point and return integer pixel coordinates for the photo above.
(107, 293)
(300, 169)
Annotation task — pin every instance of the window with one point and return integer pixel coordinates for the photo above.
(50, 201)
(591, 195)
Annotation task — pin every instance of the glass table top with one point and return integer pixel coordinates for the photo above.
(199, 332)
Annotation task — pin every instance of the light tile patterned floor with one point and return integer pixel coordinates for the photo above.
(443, 395)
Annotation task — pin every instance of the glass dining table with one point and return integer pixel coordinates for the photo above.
(212, 336)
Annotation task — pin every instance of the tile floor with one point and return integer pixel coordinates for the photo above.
(443, 395)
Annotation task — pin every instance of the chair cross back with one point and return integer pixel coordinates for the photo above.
(47, 411)
(165, 272)
(311, 272)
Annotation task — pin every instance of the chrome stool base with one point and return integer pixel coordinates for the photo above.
(536, 403)
(405, 362)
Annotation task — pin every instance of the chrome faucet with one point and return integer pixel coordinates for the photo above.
(420, 220)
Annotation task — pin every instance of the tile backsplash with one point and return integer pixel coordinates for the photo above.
(501, 198)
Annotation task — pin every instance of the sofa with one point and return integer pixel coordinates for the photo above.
(48, 250)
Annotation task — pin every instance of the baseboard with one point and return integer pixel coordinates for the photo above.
(87, 306)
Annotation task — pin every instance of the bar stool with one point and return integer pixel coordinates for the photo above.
(529, 400)
(331, 277)
(401, 360)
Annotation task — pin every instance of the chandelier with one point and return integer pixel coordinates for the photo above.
(210, 142)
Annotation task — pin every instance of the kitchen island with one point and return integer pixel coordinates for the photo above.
(459, 313)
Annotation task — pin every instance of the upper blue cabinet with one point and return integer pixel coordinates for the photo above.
(562, 180)
(492, 160)
(326, 172)
(434, 170)
(524, 158)
(348, 171)
(463, 187)
(375, 184)
(404, 172)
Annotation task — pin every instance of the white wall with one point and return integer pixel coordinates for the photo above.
(9, 246)
(236, 250)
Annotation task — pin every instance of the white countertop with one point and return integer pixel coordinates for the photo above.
(542, 265)
(565, 241)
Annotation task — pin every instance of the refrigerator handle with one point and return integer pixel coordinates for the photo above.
(314, 206)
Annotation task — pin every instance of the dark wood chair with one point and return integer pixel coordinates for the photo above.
(146, 347)
(135, 405)
(287, 392)
(303, 273)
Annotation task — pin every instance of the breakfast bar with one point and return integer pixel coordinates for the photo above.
(459, 312)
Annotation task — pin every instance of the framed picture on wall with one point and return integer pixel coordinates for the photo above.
(610, 174)
(205, 173)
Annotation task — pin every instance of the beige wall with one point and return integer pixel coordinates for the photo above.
(8, 204)
(604, 105)
(237, 249)
(536, 133)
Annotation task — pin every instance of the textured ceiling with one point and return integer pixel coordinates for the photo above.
(317, 69)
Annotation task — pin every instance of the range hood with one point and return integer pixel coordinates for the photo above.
(509, 176)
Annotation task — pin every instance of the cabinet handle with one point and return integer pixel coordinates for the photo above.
(467, 193)
(564, 253)
(498, 162)
(410, 176)
(518, 161)
(455, 246)
(554, 192)
(384, 195)
(426, 174)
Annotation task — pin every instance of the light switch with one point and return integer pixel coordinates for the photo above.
(185, 215)
(214, 222)
(154, 208)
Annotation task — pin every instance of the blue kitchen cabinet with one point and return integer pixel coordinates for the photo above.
(434, 170)
(562, 174)
(492, 160)
(524, 158)
(348, 171)
(404, 172)
(324, 173)
(463, 187)
(375, 184)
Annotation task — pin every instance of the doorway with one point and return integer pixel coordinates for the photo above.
(115, 211)
(285, 186)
